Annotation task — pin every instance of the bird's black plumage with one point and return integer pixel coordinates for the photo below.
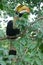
(12, 52)
(10, 31)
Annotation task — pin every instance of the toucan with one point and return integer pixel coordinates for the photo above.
(11, 30)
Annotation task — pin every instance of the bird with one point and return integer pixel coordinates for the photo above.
(11, 30)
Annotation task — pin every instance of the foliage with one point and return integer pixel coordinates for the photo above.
(30, 46)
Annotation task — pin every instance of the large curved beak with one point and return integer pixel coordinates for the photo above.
(24, 9)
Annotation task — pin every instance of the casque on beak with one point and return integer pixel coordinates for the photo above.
(22, 9)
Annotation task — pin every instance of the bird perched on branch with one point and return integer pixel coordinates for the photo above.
(11, 30)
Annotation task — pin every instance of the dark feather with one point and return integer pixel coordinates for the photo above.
(10, 31)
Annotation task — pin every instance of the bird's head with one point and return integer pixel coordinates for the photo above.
(21, 9)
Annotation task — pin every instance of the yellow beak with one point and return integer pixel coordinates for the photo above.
(24, 9)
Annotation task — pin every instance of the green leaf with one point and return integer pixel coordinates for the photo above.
(33, 53)
(27, 59)
(38, 61)
(40, 55)
(2, 63)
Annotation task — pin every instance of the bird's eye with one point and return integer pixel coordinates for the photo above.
(20, 14)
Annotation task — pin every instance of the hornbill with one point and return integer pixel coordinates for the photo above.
(11, 30)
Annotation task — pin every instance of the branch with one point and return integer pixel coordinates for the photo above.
(40, 18)
(22, 33)
(14, 37)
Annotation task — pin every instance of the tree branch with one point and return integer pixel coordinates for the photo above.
(40, 18)
(14, 37)
(22, 33)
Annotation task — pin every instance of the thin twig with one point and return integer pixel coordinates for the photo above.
(40, 18)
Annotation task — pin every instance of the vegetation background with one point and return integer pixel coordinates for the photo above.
(30, 46)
